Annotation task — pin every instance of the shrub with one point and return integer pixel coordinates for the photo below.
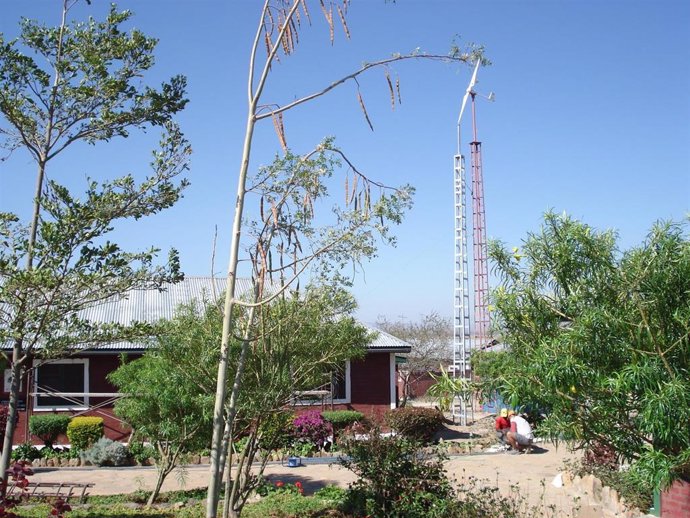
(47, 427)
(276, 431)
(636, 491)
(311, 428)
(287, 505)
(82, 432)
(141, 452)
(4, 414)
(107, 453)
(26, 451)
(341, 419)
(414, 423)
(396, 478)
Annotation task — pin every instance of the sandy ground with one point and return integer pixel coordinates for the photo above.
(533, 473)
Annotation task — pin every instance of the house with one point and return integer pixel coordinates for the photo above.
(78, 385)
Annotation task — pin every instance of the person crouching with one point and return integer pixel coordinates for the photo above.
(520, 435)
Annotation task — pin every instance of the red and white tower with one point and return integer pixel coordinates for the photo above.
(476, 334)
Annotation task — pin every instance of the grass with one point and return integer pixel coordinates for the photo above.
(111, 511)
(287, 505)
(120, 506)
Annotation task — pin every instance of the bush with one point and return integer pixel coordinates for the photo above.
(26, 451)
(311, 428)
(287, 505)
(341, 419)
(141, 452)
(48, 427)
(396, 478)
(637, 492)
(276, 431)
(107, 453)
(414, 423)
(82, 432)
(4, 414)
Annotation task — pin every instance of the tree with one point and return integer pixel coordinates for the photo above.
(297, 341)
(431, 339)
(300, 340)
(79, 82)
(170, 388)
(601, 339)
(365, 212)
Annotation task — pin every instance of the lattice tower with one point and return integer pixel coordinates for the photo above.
(481, 270)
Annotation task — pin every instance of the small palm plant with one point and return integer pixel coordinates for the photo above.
(446, 389)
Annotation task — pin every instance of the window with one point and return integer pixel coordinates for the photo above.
(8, 380)
(339, 381)
(68, 377)
(336, 389)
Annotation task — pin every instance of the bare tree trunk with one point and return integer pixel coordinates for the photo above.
(168, 459)
(219, 408)
(228, 490)
(16, 370)
(156, 490)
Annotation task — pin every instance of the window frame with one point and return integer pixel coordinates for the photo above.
(348, 392)
(51, 408)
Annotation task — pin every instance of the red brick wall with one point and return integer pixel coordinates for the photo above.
(370, 378)
(370, 393)
(370, 387)
(675, 502)
(99, 366)
(419, 384)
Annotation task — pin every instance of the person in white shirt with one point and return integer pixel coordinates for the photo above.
(520, 435)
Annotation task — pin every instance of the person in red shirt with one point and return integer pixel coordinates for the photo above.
(502, 426)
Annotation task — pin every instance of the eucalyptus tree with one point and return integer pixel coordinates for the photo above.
(600, 339)
(349, 236)
(79, 82)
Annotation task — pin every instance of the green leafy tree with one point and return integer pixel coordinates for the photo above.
(296, 342)
(59, 86)
(600, 339)
(300, 340)
(431, 346)
(368, 210)
(172, 388)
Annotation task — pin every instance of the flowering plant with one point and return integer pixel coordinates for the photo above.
(267, 488)
(311, 427)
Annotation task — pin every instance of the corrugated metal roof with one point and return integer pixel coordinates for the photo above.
(153, 305)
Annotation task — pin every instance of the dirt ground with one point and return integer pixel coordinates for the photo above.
(533, 472)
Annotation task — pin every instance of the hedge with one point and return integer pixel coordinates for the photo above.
(83, 432)
(47, 427)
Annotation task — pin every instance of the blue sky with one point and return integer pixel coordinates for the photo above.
(592, 117)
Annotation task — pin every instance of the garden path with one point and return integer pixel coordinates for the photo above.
(499, 469)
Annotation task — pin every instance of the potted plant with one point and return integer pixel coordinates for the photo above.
(298, 450)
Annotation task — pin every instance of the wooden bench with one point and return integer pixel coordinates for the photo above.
(64, 490)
